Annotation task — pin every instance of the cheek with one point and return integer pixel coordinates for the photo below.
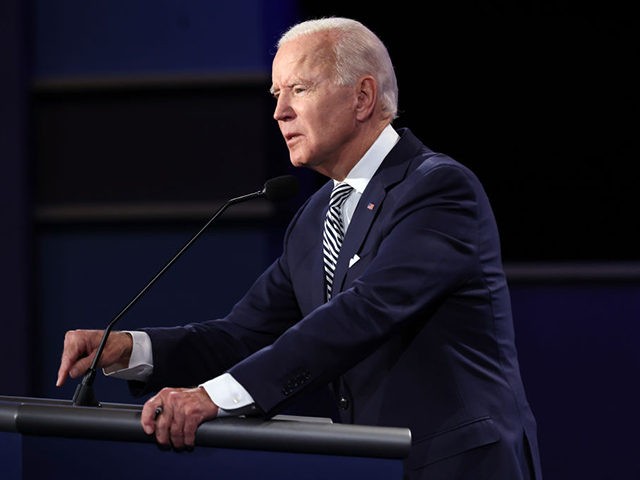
(328, 125)
(337, 128)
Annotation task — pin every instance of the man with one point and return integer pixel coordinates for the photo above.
(407, 317)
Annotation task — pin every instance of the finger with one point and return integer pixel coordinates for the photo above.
(163, 425)
(81, 366)
(148, 416)
(68, 353)
(201, 408)
(71, 363)
(176, 428)
(157, 412)
(63, 370)
(191, 424)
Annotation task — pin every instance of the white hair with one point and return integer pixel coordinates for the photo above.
(358, 51)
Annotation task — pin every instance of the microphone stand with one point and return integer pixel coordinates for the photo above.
(84, 394)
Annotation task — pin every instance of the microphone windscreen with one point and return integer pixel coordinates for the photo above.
(281, 188)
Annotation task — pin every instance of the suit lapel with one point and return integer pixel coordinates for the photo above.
(363, 217)
(392, 170)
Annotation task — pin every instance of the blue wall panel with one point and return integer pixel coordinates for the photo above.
(86, 278)
(15, 201)
(580, 358)
(79, 38)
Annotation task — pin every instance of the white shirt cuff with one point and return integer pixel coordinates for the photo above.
(141, 362)
(227, 394)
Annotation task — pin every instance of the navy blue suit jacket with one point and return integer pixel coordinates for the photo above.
(419, 333)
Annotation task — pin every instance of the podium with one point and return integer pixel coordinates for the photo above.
(52, 439)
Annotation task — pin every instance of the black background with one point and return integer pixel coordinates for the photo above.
(541, 101)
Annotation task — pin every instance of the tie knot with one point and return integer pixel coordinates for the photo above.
(339, 194)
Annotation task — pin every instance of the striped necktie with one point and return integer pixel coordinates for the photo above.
(333, 232)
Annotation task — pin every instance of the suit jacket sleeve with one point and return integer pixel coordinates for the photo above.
(194, 353)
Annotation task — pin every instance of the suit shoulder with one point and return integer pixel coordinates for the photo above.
(429, 162)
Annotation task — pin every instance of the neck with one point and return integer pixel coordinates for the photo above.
(351, 155)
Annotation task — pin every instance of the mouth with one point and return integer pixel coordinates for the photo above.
(289, 137)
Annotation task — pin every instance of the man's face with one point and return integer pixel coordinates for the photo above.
(316, 117)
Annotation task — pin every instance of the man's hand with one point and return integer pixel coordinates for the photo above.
(174, 415)
(80, 347)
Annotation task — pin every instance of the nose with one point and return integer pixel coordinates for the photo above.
(283, 110)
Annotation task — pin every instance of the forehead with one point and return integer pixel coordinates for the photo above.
(305, 56)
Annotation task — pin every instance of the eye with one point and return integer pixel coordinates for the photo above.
(299, 89)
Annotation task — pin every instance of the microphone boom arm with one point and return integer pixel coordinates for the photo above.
(84, 394)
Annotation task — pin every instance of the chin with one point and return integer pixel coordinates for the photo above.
(298, 162)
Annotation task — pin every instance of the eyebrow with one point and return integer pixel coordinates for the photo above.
(290, 85)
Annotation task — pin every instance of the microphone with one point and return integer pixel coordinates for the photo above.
(275, 189)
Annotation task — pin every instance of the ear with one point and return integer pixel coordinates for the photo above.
(367, 96)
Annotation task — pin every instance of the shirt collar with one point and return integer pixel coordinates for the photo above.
(363, 171)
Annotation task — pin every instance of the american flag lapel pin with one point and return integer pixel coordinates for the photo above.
(371, 206)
